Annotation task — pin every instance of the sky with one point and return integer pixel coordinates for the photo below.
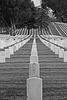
(36, 2)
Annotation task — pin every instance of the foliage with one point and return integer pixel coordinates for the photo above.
(59, 7)
(43, 18)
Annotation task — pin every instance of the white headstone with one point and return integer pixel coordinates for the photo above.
(33, 59)
(34, 70)
(34, 88)
(57, 50)
(7, 53)
(11, 50)
(34, 53)
(2, 56)
(65, 56)
(61, 53)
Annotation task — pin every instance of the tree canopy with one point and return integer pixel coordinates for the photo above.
(11, 10)
(59, 7)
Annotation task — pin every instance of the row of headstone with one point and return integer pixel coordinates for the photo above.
(7, 40)
(23, 31)
(34, 61)
(19, 31)
(34, 82)
(58, 48)
(7, 51)
(63, 27)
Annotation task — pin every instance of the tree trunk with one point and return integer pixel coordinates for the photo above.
(13, 29)
(28, 31)
(41, 28)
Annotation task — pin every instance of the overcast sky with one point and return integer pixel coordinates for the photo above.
(36, 2)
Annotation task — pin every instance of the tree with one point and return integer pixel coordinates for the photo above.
(59, 7)
(42, 19)
(13, 12)
(22, 13)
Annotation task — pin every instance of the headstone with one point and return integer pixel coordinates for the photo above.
(33, 59)
(7, 53)
(14, 48)
(17, 46)
(65, 56)
(34, 70)
(57, 50)
(34, 88)
(34, 53)
(11, 50)
(34, 49)
(49, 45)
(2, 56)
(53, 48)
(61, 53)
